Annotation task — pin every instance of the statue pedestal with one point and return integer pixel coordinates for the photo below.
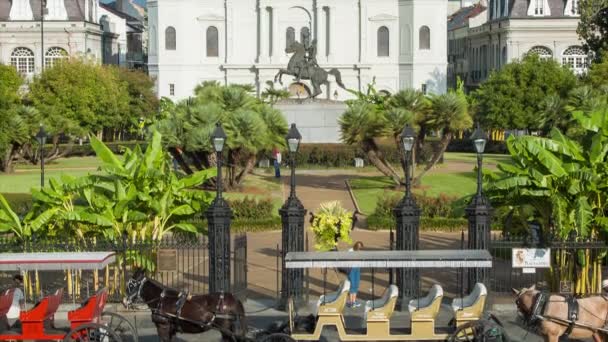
(317, 120)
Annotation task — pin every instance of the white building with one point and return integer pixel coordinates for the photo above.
(71, 28)
(402, 43)
(486, 36)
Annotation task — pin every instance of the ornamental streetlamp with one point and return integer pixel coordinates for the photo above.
(479, 213)
(41, 138)
(407, 215)
(292, 219)
(218, 218)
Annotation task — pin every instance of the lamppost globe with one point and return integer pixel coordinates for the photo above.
(41, 135)
(218, 138)
(479, 140)
(408, 136)
(293, 139)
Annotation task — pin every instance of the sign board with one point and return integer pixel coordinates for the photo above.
(528, 270)
(566, 287)
(167, 260)
(531, 257)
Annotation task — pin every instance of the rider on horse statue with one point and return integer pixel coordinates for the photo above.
(310, 60)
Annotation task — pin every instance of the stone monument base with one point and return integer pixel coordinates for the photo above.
(317, 120)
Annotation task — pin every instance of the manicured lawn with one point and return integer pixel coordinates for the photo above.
(66, 163)
(472, 157)
(368, 190)
(21, 182)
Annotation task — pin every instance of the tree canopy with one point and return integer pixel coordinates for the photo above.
(513, 97)
(593, 26)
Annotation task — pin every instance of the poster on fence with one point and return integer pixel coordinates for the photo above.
(531, 257)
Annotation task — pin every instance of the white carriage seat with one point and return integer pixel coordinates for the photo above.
(422, 303)
(329, 298)
(479, 291)
(391, 292)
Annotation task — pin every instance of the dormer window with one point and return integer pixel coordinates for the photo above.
(572, 8)
(539, 8)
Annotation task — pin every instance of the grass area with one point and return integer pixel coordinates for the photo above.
(66, 163)
(22, 182)
(472, 157)
(367, 190)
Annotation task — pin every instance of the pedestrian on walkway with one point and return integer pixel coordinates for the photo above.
(276, 154)
(354, 276)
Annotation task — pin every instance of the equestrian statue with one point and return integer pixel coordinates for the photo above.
(303, 66)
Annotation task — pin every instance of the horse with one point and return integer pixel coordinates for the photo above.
(554, 316)
(173, 311)
(298, 67)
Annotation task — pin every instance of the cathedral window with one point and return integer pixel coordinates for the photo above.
(542, 52)
(53, 55)
(424, 38)
(383, 42)
(170, 38)
(23, 60)
(290, 37)
(212, 42)
(575, 58)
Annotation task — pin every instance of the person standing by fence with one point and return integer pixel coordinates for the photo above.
(276, 154)
(354, 276)
(18, 301)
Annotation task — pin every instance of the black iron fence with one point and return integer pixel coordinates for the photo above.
(177, 262)
(567, 258)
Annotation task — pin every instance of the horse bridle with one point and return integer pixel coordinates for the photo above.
(132, 284)
(537, 309)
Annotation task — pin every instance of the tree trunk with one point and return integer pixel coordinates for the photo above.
(177, 155)
(371, 150)
(7, 161)
(196, 161)
(445, 141)
(249, 165)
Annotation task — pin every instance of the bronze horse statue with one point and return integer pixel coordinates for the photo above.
(556, 315)
(299, 67)
(173, 311)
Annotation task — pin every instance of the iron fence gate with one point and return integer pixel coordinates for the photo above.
(239, 282)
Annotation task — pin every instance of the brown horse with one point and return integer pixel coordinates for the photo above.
(174, 312)
(550, 314)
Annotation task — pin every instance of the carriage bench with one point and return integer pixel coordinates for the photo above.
(6, 300)
(33, 321)
(90, 311)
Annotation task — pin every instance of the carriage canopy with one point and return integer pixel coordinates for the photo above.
(391, 259)
(56, 261)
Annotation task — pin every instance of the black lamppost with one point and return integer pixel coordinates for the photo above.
(407, 215)
(41, 137)
(479, 213)
(218, 218)
(292, 219)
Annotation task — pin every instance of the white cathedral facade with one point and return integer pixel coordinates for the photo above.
(400, 43)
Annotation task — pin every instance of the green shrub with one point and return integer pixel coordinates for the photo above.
(19, 202)
(259, 225)
(444, 224)
(253, 209)
(441, 206)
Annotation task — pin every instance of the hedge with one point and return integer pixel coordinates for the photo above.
(443, 224)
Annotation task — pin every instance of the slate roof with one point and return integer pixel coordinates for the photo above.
(74, 8)
(519, 8)
(462, 16)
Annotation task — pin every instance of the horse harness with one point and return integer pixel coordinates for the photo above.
(539, 306)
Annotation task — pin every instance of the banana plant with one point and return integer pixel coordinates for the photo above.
(566, 182)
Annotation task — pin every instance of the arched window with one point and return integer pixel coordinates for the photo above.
(542, 52)
(575, 58)
(170, 38)
(383, 42)
(305, 36)
(23, 60)
(212, 42)
(424, 38)
(290, 36)
(53, 55)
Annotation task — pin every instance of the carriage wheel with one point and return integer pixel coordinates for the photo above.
(92, 332)
(120, 325)
(466, 332)
(277, 337)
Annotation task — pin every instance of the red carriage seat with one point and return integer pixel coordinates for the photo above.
(90, 311)
(32, 321)
(6, 300)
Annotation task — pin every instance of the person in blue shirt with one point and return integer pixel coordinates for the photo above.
(354, 276)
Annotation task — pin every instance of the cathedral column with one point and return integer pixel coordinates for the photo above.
(363, 27)
(277, 36)
(228, 31)
(263, 33)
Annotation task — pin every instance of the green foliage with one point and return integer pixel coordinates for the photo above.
(331, 224)
(10, 81)
(79, 98)
(513, 97)
(563, 181)
(597, 77)
(432, 224)
(250, 208)
(272, 95)
(593, 25)
(143, 103)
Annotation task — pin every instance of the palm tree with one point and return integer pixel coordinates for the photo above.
(448, 113)
(360, 124)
